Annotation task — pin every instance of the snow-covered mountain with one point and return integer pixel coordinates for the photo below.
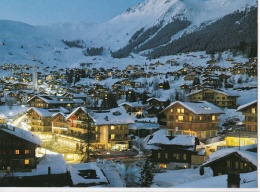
(148, 25)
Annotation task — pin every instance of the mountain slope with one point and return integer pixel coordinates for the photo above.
(194, 16)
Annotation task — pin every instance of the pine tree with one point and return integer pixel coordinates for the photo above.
(146, 174)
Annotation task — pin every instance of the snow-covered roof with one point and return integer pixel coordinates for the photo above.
(214, 90)
(160, 137)
(247, 105)
(115, 116)
(139, 125)
(42, 112)
(2, 116)
(202, 107)
(132, 104)
(53, 99)
(26, 135)
(250, 156)
(158, 99)
(77, 179)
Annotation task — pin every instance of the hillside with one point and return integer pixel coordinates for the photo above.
(152, 29)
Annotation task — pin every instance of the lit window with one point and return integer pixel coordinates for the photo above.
(17, 152)
(200, 118)
(112, 127)
(253, 110)
(26, 151)
(184, 156)
(112, 136)
(213, 117)
(180, 110)
(159, 155)
(180, 118)
(166, 155)
(190, 118)
(26, 161)
(171, 110)
(162, 166)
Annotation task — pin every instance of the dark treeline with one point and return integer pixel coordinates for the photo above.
(75, 43)
(93, 51)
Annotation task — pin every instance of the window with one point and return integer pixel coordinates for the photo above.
(180, 118)
(177, 156)
(213, 118)
(180, 110)
(190, 118)
(166, 155)
(162, 166)
(112, 136)
(171, 110)
(26, 161)
(253, 110)
(200, 118)
(112, 127)
(159, 155)
(26, 151)
(17, 152)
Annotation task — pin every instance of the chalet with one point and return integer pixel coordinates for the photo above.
(171, 152)
(47, 102)
(17, 149)
(40, 120)
(133, 108)
(109, 129)
(197, 119)
(156, 102)
(189, 77)
(217, 97)
(249, 110)
(225, 160)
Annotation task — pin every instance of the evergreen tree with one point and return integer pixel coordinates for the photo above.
(146, 174)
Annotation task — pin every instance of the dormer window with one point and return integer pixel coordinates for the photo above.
(253, 110)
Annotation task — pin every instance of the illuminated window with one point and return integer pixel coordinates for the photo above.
(213, 117)
(26, 161)
(253, 110)
(190, 118)
(180, 118)
(26, 151)
(200, 118)
(159, 155)
(112, 136)
(177, 156)
(17, 152)
(184, 156)
(162, 166)
(166, 155)
(180, 110)
(112, 127)
(171, 110)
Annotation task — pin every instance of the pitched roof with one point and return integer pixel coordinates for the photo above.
(26, 135)
(115, 116)
(249, 156)
(202, 107)
(247, 105)
(42, 112)
(160, 137)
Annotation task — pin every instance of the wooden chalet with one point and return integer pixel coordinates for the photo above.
(225, 160)
(249, 110)
(17, 148)
(47, 102)
(197, 119)
(171, 151)
(217, 97)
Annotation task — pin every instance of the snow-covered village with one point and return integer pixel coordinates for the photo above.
(156, 97)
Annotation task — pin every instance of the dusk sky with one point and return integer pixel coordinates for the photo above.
(44, 12)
